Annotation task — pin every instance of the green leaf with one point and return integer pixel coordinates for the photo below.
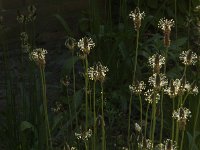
(69, 64)
(64, 24)
(26, 125)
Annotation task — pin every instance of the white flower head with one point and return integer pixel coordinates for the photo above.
(86, 44)
(166, 24)
(137, 16)
(188, 57)
(158, 81)
(150, 96)
(38, 55)
(84, 136)
(181, 115)
(138, 87)
(156, 62)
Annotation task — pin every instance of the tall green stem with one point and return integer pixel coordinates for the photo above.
(48, 134)
(182, 139)
(129, 120)
(195, 121)
(173, 119)
(140, 110)
(154, 119)
(103, 122)
(94, 113)
(136, 55)
(145, 130)
(74, 87)
(86, 91)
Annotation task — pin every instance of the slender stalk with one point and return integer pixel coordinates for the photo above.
(103, 122)
(189, 24)
(175, 8)
(86, 146)
(177, 126)
(162, 96)
(74, 87)
(86, 90)
(154, 119)
(182, 139)
(195, 121)
(140, 110)
(145, 130)
(48, 134)
(136, 55)
(129, 120)
(70, 112)
(94, 113)
(173, 119)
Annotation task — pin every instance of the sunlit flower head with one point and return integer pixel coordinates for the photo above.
(97, 72)
(188, 57)
(156, 62)
(84, 135)
(158, 81)
(170, 145)
(181, 115)
(193, 89)
(143, 143)
(166, 26)
(30, 16)
(86, 44)
(38, 55)
(182, 85)
(137, 16)
(137, 127)
(24, 42)
(137, 87)
(173, 89)
(150, 96)
(70, 43)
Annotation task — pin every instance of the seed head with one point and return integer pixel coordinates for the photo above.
(138, 87)
(29, 17)
(166, 25)
(137, 127)
(86, 44)
(70, 43)
(24, 42)
(181, 115)
(97, 72)
(38, 55)
(137, 16)
(150, 96)
(156, 62)
(188, 57)
(173, 89)
(144, 143)
(158, 81)
(84, 135)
